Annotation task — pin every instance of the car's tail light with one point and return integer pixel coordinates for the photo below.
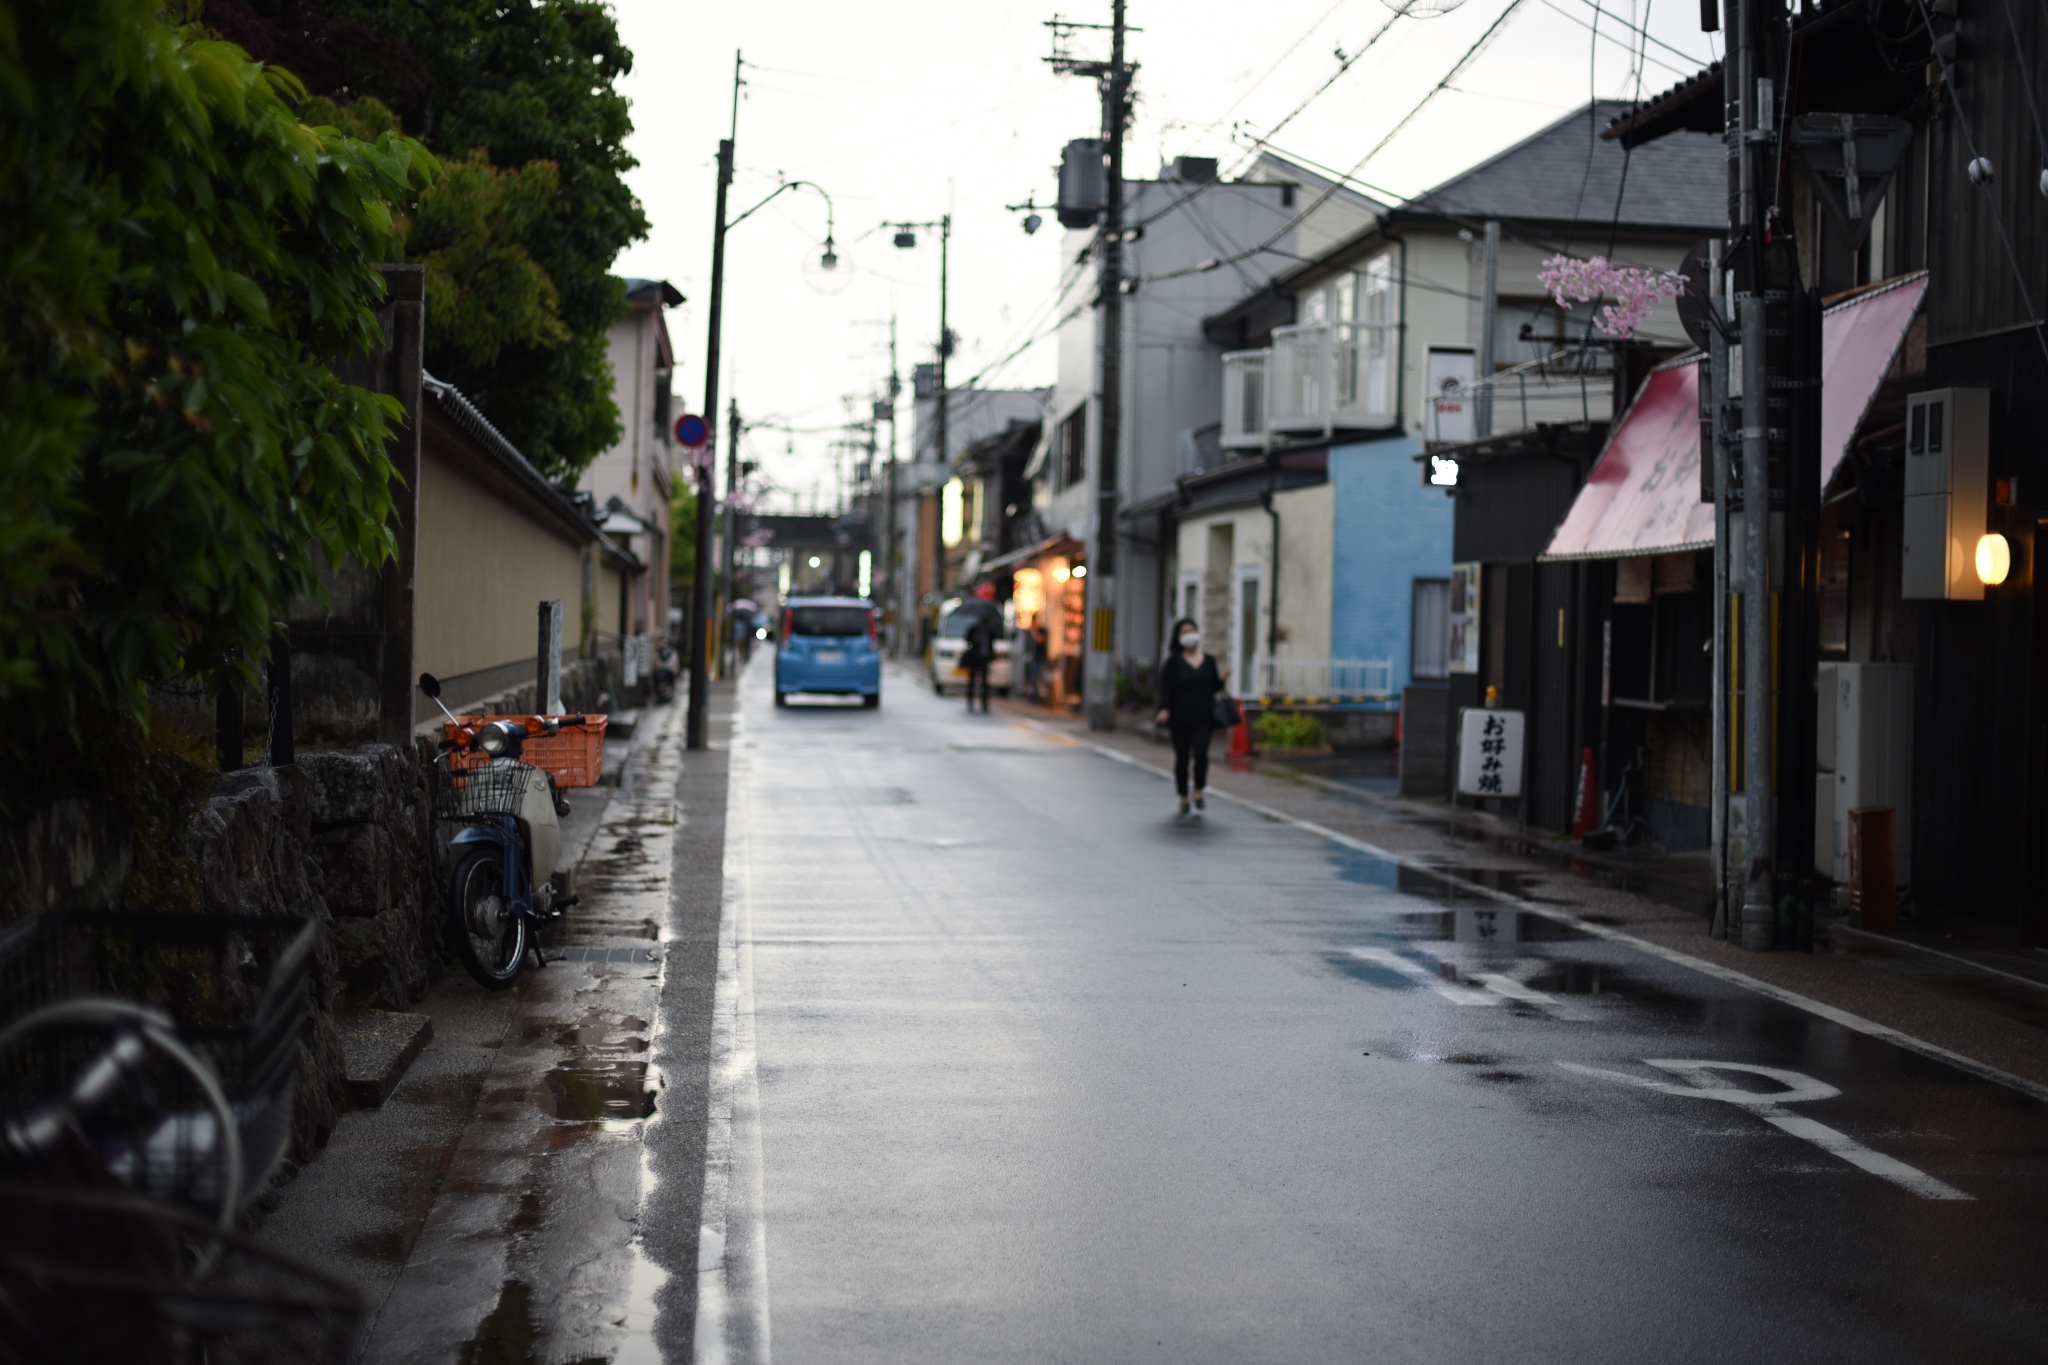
(874, 635)
(788, 623)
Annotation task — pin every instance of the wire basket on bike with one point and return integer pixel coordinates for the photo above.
(94, 1276)
(469, 785)
(232, 990)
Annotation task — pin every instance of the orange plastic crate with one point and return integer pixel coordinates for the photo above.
(575, 755)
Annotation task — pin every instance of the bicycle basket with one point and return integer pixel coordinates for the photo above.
(234, 985)
(468, 785)
(91, 1276)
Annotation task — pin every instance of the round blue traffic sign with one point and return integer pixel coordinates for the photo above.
(692, 430)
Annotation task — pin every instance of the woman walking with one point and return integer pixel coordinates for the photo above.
(1189, 682)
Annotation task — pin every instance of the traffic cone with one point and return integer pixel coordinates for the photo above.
(1240, 757)
(1588, 817)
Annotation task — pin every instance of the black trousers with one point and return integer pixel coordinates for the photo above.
(1190, 741)
(977, 673)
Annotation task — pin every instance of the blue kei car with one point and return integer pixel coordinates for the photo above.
(828, 646)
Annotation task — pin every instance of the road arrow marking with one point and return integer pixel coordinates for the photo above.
(1702, 1081)
(1421, 975)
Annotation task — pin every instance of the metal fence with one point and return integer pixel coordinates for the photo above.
(1305, 680)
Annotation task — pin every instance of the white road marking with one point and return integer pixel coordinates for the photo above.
(732, 1239)
(1511, 985)
(1703, 1083)
(1868, 1027)
(1415, 971)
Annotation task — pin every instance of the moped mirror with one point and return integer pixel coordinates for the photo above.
(431, 685)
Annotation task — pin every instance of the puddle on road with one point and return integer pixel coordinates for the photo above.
(595, 1089)
(510, 1335)
(1478, 925)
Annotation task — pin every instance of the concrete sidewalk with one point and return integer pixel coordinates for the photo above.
(490, 1209)
(1993, 1013)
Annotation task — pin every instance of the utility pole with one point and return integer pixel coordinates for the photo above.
(1114, 77)
(730, 539)
(1766, 369)
(906, 238)
(700, 646)
(891, 555)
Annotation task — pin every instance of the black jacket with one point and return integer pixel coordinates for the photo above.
(1188, 693)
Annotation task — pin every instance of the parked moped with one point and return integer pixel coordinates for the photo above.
(665, 660)
(503, 884)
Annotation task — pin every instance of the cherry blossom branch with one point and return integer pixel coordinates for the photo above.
(1635, 291)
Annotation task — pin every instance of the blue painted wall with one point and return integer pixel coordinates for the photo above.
(1390, 531)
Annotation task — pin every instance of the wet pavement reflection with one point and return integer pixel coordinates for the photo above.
(1049, 1073)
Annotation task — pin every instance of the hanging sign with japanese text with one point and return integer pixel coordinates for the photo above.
(1489, 752)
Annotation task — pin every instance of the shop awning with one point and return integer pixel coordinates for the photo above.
(1061, 544)
(1859, 337)
(1643, 496)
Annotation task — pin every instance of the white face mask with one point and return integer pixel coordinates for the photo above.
(1190, 639)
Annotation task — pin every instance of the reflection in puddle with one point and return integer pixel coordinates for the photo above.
(1479, 925)
(596, 1089)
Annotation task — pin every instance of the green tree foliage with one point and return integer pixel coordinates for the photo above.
(524, 82)
(682, 541)
(484, 289)
(181, 259)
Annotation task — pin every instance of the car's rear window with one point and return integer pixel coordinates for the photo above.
(957, 624)
(828, 621)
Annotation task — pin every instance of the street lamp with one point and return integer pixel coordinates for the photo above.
(1033, 219)
(829, 267)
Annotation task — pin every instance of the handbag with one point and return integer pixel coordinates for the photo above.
(1225, 712)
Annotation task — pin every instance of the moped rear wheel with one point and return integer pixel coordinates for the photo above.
(489, 937)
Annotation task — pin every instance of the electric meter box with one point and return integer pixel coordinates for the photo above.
(1948, 459)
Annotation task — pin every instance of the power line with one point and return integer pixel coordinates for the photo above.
(1291, 115)
(1471, 55)
(1278, 62)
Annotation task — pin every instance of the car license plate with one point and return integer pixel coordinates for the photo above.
(831, 656)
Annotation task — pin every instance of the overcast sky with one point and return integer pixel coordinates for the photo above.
(909, 109)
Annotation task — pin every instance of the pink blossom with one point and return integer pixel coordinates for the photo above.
(1635, 290)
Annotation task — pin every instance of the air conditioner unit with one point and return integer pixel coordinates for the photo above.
(1948, 457)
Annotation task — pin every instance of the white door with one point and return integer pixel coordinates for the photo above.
(1245, 640)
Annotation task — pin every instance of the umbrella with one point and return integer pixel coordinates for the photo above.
(746, 604)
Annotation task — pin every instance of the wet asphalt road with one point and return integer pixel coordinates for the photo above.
(1048, 1073)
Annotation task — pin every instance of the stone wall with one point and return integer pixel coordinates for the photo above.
(341, 837)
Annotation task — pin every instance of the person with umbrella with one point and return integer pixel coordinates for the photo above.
(978, 655)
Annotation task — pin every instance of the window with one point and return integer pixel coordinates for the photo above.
(1366, 382)
(1429, 653)
(1073, 447)
(829, 621)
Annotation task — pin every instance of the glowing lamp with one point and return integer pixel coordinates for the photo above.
(1994, 559)
(1080, 571)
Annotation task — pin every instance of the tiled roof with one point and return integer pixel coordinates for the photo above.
(1568, 173)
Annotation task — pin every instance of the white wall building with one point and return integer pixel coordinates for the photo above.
(640, 469)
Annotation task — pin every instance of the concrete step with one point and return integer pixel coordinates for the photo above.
(377, 1046)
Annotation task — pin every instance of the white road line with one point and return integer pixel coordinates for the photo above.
(1857, 1023)
(1770, 1107)
(732, 1239)
(1514, 990)
(1421, 975)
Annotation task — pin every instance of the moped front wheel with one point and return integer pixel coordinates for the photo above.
(490, 937)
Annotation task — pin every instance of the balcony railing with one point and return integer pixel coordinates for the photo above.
(1575, 384)
(1313, 379)
(1322, 680)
